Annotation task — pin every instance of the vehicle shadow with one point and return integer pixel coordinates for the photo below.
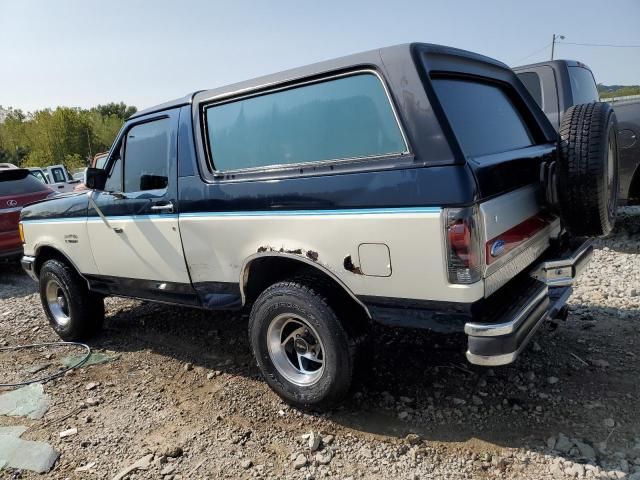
(415, 381)
(626, 235)
(14, 282)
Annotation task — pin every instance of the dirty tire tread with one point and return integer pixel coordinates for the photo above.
(301, 298)
(584, 135)
(86, 308)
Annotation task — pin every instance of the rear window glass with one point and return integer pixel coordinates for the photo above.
(28, 184)
(583, 86)
(531, 81)
(348, 117)
(483, 118)
(58, 175)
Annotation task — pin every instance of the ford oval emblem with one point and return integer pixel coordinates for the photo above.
(12, 203)
(497, 248)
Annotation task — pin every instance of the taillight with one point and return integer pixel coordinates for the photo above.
(465, 258)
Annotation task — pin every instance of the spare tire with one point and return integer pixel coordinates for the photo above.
(587, 173)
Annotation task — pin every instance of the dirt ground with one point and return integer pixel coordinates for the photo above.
(184, 395)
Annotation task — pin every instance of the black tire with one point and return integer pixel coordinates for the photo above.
(84, 310)
(587, 172)
(291, 299)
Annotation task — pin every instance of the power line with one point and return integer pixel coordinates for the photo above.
(532, 54)
(598, 45)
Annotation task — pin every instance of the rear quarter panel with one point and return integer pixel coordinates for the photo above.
(218, 244)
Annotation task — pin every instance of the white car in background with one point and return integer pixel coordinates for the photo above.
(56, 177)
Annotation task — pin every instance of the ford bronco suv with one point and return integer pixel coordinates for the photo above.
(415, 186)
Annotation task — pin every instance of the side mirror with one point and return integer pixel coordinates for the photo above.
(95, 178)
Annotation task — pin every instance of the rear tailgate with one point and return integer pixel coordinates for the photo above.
(502, 135)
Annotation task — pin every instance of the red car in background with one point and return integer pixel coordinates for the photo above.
(17, 188)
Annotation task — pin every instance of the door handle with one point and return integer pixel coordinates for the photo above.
(166, 207)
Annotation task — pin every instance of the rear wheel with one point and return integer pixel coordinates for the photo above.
(73, 311)
(305, 354)
(588, 169)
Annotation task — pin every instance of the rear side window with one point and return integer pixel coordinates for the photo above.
(583, 86)
(531, 81)
(58, 175)
(482, 116)
(344, 118)
(28, 184)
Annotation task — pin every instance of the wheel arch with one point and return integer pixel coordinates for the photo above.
(633, 194)
(48, 252)
(290, 262)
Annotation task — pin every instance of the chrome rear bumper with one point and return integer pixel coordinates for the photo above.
(499, 342)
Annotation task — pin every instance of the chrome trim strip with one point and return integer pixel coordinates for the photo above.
(505, 328)
(491, 361)
(10, 210)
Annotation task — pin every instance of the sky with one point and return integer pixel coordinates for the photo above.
(80, 53)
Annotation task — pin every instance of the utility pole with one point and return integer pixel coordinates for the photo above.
(553, 43)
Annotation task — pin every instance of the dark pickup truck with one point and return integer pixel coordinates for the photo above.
(559, 84)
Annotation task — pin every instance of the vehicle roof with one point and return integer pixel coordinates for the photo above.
(7, 165)
(568, 63)
(370, 57)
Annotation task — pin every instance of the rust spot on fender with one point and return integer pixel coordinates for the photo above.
(312, 255)
(349, 266)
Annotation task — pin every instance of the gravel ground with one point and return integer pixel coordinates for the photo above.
(184, 398)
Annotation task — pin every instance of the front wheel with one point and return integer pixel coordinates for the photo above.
(73, 311)
(305, 354)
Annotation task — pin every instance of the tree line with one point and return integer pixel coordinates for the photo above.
(68, 136)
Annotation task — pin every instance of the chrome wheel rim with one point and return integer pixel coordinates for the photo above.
(58, 303)
(295, 349)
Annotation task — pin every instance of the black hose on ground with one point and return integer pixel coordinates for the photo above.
(52, 376)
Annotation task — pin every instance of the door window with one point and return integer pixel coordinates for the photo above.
(114, 181)
(146, 156)
(532, 82)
